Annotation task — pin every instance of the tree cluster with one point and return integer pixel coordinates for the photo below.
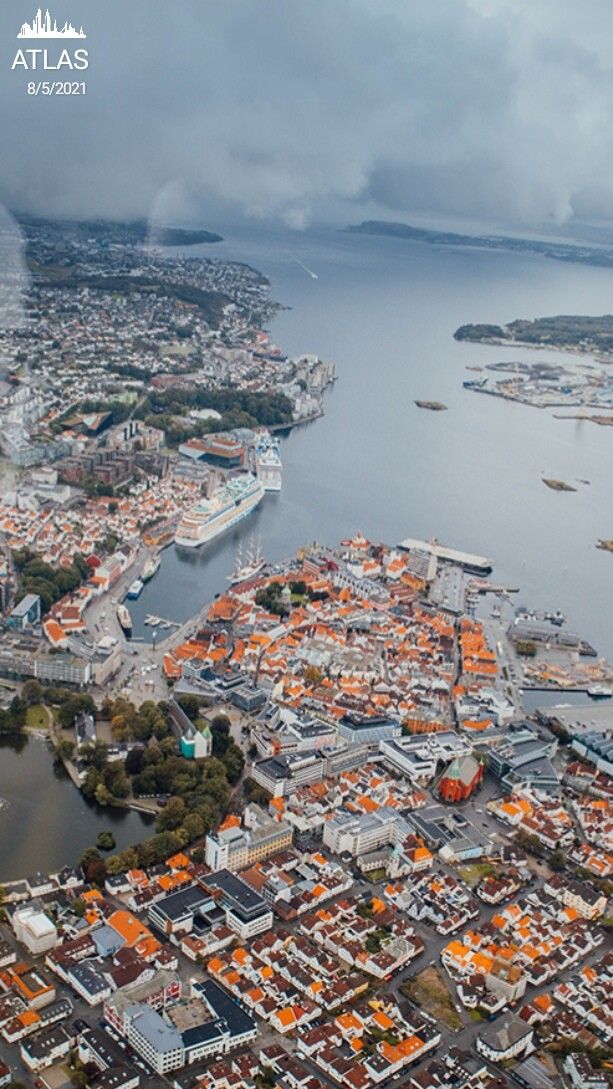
(50, 583)
(13, 719)
(128, 723)
(269, 597)
(104, 782)
(200, 797)
(195, 794)
(69, 705)
(254, 792)
(226, 750)
(168, 409)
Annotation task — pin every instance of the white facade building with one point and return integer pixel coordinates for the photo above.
(35, 930)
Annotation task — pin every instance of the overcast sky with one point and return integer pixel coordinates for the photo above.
(308, 110)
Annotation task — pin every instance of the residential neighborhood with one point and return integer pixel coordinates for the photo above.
(392, 895)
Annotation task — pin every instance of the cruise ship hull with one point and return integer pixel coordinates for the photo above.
(216, 525)
(272, 485)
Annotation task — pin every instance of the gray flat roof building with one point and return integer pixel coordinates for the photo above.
(236, 894)
(152, 1027)
(179, 905)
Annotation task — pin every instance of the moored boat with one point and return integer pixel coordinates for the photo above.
(600, 692)
(124, 618)
(151, 568)
(254, 562)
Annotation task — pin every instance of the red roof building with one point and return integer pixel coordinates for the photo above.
(461, 779)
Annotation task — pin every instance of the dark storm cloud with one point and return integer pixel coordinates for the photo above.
(291, 108)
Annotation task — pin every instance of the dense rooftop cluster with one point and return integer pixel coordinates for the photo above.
(342, 635)
(57, 535)
(112, 322)
(370, 896)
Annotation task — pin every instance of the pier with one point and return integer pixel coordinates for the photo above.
(467, 560)
(481, 586)
(160, 622)
(292, 424)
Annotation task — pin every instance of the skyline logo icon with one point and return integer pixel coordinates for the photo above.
(43, 26)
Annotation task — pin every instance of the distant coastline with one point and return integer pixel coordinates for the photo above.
(557, 251)
(564, 332)
(181, 236)
(135, 231)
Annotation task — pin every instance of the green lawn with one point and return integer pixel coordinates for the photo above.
(375, 876)
(474, 872)
(37, 718)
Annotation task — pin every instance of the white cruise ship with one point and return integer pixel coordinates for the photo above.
(268, 463)
(231, 502)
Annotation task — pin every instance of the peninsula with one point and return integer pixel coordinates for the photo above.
(547, 385)
(131, 232)
(558, 251)
(567, 332)
(181, 236)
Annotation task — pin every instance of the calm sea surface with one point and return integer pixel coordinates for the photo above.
(385, 310)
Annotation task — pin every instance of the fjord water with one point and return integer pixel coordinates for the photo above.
(385, 311)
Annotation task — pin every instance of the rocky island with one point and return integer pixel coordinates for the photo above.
(434, 406)
(558, 485)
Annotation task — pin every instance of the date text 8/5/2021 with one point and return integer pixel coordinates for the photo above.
(45, 88)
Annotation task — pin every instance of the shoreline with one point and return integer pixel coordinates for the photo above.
(531, 404)
(527, 345)
(117, 811)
